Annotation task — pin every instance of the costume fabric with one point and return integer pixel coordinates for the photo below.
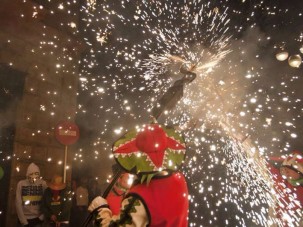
(290, 192)
(114, 202)
(163, 202)
(166, 200)
(29, 197)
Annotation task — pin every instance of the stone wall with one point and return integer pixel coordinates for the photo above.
(32, 41)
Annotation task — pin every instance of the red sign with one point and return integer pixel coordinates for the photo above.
(67, 133)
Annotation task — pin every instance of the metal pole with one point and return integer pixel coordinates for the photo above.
(65, 160)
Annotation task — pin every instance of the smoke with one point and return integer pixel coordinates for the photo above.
(243, 94)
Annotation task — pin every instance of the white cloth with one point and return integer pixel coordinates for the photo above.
(98, 201)
(138, 214)
(28, 198)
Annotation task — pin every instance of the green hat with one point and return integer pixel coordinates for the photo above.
(150, 149)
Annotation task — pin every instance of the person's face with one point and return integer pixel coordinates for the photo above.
(289, 174)
(125, 180)
(33, 177)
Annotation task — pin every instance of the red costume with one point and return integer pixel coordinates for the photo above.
(289, 188)
(159, 198)
(165, 200)
(114, 202)
(282, 185)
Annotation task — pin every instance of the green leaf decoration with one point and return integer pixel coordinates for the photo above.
(149, 177)
(172, 133)
(133, 162)
(176, 158)
(126, 138)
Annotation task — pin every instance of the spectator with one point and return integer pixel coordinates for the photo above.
(29, 197)
(80, 212)
(93, 190)
(56, 203)
(73, 215)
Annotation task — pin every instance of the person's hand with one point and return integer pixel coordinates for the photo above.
(97, 202)
(58, 224)
(105, 215)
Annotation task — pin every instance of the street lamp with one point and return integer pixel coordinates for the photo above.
(295, 60)
(282, 55)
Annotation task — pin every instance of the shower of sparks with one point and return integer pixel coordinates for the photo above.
(242, 108)
(250, 178)
(199, 38)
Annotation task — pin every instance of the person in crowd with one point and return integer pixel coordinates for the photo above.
(80, 212)
(56, 203)
(29, 194)
(159, 196)
(73, 212)
(288, 178)
(114, 194)
(82, 199)
(93, 190)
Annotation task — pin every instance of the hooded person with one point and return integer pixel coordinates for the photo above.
(56, 203)
(29, 194)
(159, 196)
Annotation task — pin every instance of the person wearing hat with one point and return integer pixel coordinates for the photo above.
(29, 194)
(159, 196)
(288, 179)
(56, 203)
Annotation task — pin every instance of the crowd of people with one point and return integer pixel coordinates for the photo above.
(53, 204)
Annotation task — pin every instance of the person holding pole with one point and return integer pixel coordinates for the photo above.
(159, 196)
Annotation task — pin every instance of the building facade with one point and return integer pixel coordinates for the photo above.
(39, 64)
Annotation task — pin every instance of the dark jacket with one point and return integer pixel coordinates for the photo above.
(59, 207)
